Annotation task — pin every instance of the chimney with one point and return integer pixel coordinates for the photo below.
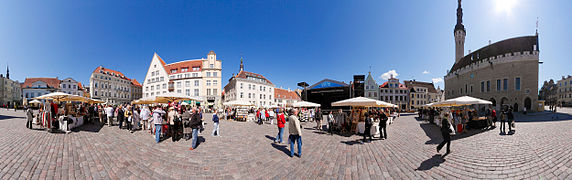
(489, 42)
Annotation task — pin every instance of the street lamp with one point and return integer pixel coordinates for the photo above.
(304, 85)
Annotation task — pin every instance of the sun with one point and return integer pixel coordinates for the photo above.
(505, 5)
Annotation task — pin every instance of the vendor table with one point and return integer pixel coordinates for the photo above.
(477, 123)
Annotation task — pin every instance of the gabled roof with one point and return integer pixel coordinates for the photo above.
(518, 44)
(183, 64)
(51, 82)
(430, 87)
(285, 94)
(245, 74)
(327, 83)
(159, 57)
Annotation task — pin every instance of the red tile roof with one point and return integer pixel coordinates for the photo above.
(79, 86)
(430, 87)
(384, 85)
(285, 94)
(52, 82)
(107, 71)
(134, 81)
(244, 75)
(183, 64)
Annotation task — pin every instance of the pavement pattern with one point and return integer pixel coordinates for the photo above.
(541, 148)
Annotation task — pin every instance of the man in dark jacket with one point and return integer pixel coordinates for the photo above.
(195, 125)
(445, 132)
(368, 124)
(382, 125)
(120, 116)
(186, 118)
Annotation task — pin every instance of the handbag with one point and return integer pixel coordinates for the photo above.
(451, 129)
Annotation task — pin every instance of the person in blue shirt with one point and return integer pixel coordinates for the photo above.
(216, 131)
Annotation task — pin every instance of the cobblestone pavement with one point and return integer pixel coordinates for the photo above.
(538, 150)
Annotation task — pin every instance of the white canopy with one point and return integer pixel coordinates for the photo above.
(271, 106)
(461, 101)
(305, 104)
(60, 96)
(147, 100)
(237, 103)
(172, 96)
(35, 101)
(363, 102)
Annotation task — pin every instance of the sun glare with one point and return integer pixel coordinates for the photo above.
(505, 5)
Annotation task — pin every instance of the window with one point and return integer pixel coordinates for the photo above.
(260, 88)
(152, 73)
(196, 82)
(195, 74)
(187, 75)
(187, 83)
(173, 70)
(240, 85)
(215, 74)
(264, 89)
(187, 92)
(498, 85)
(249, 95)
(466, 89)
(488, 86)
(208, 82)
(208, 92)
(208, 74)
(178, 84)
(196, 68)
(482, 86)
(162, 79)
(184, 69)
(152, 93)
(253, 87)
(517, 84)
(196, 92)
(158, 87)
(505, 84)
(214, 92)
(164, 86)
(471, 88)
(260, 96)
(249, 87)
(211, 65)
(241, 95)
(215, 83)
(152, 88)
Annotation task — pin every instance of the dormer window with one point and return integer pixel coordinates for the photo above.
(184, 69)
(173, 70)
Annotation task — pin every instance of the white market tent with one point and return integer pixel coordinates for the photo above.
(172, 97)
(35, 101)
(461, 101)
(305, 104)
(363, 102)
(60, 96)
(237, 103)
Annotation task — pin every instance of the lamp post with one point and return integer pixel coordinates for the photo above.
(304, 85)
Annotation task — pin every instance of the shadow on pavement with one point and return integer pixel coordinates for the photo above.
(434, 133)
(350, 143)
(435, 161)
(3, 117)
(88, 127)
(270, 137)
(542, 117)
(281, 148)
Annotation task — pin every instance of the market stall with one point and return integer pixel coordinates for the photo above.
(305, 115)
(241, 107)
(461, 104)
(359, 106)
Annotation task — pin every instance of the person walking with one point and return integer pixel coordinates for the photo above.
(503, 122)
(319, 119)
(446, 133)
(128, 117)
(186, 119)
(280, 121)
(368, 124)
(494, 117)
(295, 133)
(145, 115)
(215, 124)
(266, 115)
(195, 125)
(171, 118)
(109, 112)
(331, 123)
(510, 117)
(29, 117)
(120, 116)
(135, 119)
(158, 121)
(382, 125)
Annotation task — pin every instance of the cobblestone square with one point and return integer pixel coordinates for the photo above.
(540, 149)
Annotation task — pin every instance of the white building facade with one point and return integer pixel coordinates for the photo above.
(34, 87)
(71, 86)
(199, 78)
(394, 92)
(251, 87)
(371, 88)
(110, 86)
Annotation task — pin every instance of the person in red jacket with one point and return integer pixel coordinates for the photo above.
(280, 121)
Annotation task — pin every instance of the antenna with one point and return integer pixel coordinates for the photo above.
(537, 26)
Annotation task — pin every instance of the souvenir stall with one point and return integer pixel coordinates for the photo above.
(52, 110)
(241, 107)
(461, 107)
(306, 115)
(359, 107)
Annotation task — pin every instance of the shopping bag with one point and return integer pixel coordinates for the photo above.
(459, 128)
(451, 130)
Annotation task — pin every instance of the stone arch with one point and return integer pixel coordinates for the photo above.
(528, 103)
(493, 101)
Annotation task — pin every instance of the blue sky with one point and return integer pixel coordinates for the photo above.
(286, 41)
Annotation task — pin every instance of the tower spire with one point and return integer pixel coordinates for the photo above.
(459, 33)
(241, 64)
(459, 25)
(7, 72)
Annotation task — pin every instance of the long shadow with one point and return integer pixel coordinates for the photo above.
(434, 133)
(281, 148)
(4, 117)
(434, 161)
(351, 143)
(270, 137)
